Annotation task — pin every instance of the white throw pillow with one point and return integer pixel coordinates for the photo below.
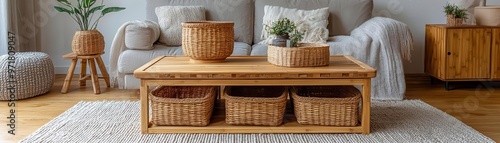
(170, 19)
(312, 22)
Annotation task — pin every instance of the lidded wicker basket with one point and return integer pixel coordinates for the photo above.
(305, 55)
(88, 42)
(208, 41)
(326, 105)
(255, 105)
(182, 105)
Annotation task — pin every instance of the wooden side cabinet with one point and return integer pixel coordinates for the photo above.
(462, 53)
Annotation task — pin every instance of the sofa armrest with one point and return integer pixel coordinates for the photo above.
(139, 34)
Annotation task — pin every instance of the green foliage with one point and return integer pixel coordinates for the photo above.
(455, 11)
(460, 13)
(281, 27)
(284, 26)
(83, 12)
(295, 37)
(449, 8)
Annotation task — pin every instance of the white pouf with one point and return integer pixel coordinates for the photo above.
(33, 75)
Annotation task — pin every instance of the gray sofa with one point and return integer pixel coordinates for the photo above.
(345, 16)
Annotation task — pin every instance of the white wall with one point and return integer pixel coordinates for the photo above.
(3, 27)
(58, 32)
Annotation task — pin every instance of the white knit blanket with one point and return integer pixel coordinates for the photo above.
(118, 46)
(381, 43)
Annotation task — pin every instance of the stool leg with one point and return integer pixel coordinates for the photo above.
(83, 72)
(95, 78)
(104, 72)
(67, 80)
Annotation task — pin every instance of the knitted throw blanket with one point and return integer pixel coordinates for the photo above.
(382, 43)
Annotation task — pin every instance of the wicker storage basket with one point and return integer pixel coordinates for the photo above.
(182, 105)
(305, 55)
(208, 41)
(88, 42)
(326, 105)
(255, 105)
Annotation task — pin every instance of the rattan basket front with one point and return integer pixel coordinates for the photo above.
(88, 42)
(182, 105)
(326, 105)
(255, 105)
(305, 55)
(208, 40)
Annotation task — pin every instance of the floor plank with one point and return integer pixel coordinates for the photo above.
(470, 102)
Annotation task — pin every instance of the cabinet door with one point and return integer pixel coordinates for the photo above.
(468, 53)
(495, 54)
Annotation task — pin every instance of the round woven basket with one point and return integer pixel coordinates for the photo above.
(305, 55)
(88, 42)
(208, 41)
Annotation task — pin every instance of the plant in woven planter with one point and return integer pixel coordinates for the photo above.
(454, 14)
(88, 40)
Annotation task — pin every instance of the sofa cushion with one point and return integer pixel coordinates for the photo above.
(170, 19)
(259, 50)
(345, 15)
(128, 61)
(312, 22)
(238, 11)
(139, 37)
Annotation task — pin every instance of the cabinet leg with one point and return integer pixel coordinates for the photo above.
(432, 80)
(447, 86)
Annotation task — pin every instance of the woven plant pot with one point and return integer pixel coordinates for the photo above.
(450, 21)
(305, 55)
(208, 41)
(88, 42)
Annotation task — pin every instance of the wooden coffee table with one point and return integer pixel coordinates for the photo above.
(252, 71)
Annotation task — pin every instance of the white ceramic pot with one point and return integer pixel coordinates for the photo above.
(487, 15)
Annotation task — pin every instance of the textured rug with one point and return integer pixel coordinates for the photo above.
(118, 121)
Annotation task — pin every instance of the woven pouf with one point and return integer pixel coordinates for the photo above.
(33, 75)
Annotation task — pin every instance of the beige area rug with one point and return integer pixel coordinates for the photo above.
(392, 121)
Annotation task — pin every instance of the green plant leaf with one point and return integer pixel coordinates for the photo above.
(111, 9)
(64, 2)
(91, 11)
(79, 4)
(88, 3)
(61, 9)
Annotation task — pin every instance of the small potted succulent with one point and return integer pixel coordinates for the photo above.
(88, 40)
(284, 29)
(454, 15)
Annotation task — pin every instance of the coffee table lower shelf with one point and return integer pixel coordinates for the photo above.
(218, 125)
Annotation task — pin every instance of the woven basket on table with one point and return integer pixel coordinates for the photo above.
(88, 42)
(255, 105)
(326, 105)
(305, 55)
(208, 40)
(182, 105)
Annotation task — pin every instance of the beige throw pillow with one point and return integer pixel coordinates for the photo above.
(312, 22)
(170, 19)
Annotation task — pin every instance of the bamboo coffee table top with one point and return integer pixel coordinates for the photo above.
(250, 67)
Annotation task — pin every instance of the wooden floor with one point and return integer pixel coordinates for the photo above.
(471, 102)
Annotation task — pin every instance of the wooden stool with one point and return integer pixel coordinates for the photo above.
(91, 59)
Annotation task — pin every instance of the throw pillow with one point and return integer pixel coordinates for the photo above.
(312, 22)
(170, 19)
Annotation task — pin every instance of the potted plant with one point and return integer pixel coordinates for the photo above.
(88, 40)
(454, 14)
(281, 28)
